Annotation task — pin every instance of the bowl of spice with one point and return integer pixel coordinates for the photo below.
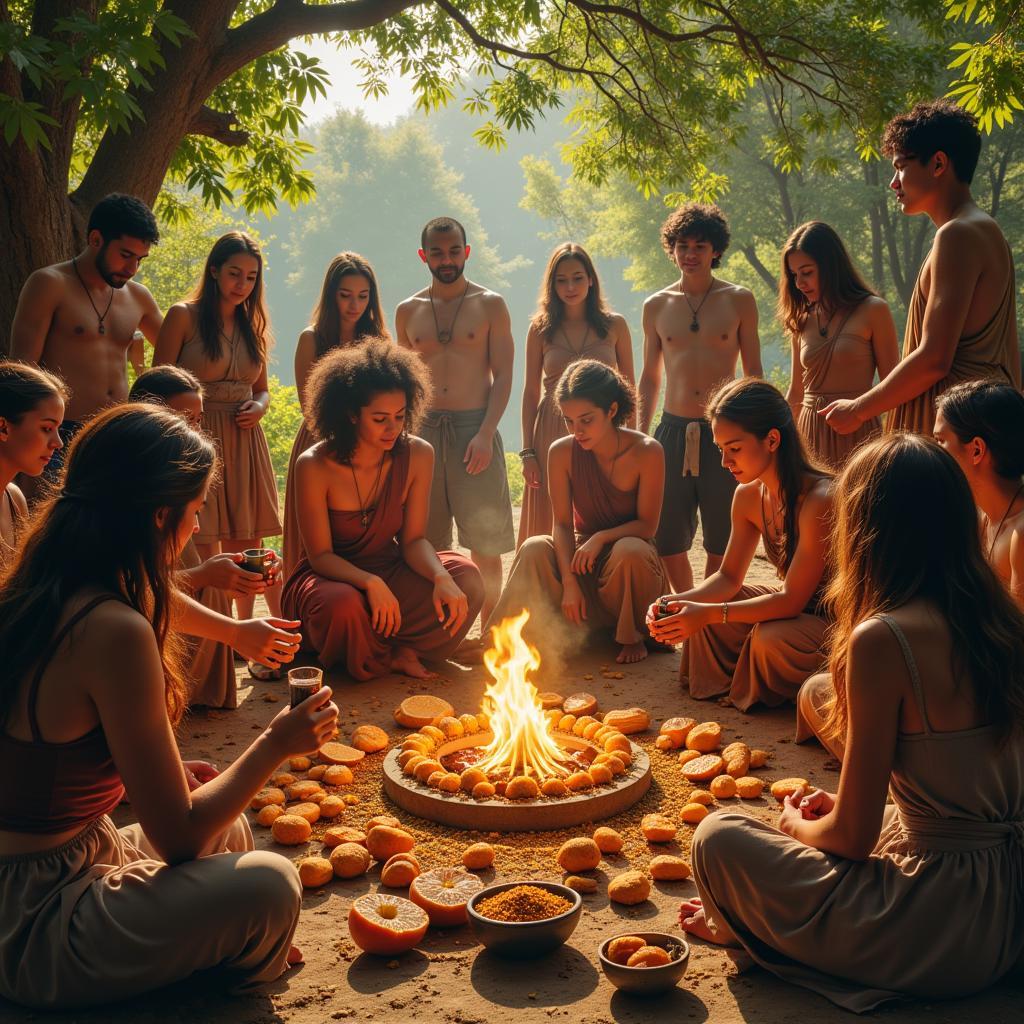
(524, 919)
(644, 962)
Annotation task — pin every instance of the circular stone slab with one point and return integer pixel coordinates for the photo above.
(460, 810)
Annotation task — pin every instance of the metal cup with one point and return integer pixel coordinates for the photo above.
(258, 560)
(303, 683)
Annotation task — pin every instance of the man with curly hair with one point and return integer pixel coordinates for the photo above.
(962, 322)
(697, 330)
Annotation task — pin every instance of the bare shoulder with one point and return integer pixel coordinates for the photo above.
(16, 496)
(307, 339)
(874, 641)
(820, 492)
(656, 301)
(737, 293)
(617, 324)
(644, 447)
(115, 625)
(48, 281)
(313, 461)
(407, 305)
(140, 293)
(421, 453)
(494, 302)
(560, 450)
(747, 502)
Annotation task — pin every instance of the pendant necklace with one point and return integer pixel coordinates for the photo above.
(694, 324)
(445, 336)
(99, 316)
(583, 347)
(1002, 523)
(823, 331)
(364, 512)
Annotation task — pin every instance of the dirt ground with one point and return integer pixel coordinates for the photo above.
(451, 979)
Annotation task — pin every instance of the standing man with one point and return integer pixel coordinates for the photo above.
(463, 334)
(698, 328)
(962, 322)
(79, 318)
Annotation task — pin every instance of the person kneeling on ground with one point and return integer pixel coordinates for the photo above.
(371, 593)
(605, 482)
(851, 897)
(92, 689)
(755, 642)
(215, 581)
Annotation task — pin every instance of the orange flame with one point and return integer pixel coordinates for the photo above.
(522, 744)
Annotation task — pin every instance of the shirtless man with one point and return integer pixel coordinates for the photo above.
(962, 322)
(79, 319)
(699, 327)
(463, 334)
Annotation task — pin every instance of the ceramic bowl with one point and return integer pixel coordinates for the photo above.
(646, 980)
(524, 939)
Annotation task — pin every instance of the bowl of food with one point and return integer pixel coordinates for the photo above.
(644, 962)
(524, 919)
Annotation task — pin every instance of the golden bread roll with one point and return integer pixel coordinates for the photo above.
(629, 888)
(703, 768)
(580, 854)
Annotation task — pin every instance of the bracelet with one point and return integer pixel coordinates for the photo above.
(528, 453)
(725, 613)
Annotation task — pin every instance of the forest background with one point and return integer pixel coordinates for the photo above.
(773, 159)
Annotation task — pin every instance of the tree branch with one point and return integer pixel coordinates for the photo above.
(288, 19)
(217, 125)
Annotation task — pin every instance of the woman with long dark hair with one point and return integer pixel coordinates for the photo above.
(599, 567)
(842, 333)
(860, 900)
(757, 643)
(222, 335)
(371, 592)
(32, 404)
(348, 310)
(981, 424)
(92, 689)
(572, 322)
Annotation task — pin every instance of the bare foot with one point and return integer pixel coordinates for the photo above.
(407, 663)
(295, 956)
(693, 921)
(631, 653)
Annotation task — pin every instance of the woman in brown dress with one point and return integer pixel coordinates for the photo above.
(599, 567)
(222, 336)
(572, 322)
(842, 335)
(371, 593)
(757, 643)
(91, 691)
(851, 897)
(220, 578)
(349, 309)
(31, 412)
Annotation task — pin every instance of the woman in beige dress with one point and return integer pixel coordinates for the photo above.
(222, 336)
(757, 643)
(572, 322)
(31, 412)
(219, 579)
(91, 692)
(599, 567)
(842, 334)
(349, 310)
(860, 900)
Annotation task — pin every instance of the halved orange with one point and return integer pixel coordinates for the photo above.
(386, 925)
(340, 753)
(443, 893)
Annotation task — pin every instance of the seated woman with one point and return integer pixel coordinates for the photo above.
(371, 593)
(755, 642)
(31, 412)
(605, 481)
(981, 424)
(220, 578)
(852, 898)
(91, 691)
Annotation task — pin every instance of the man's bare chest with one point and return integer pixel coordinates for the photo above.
(433, 332)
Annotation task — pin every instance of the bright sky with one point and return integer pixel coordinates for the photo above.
(344, 89)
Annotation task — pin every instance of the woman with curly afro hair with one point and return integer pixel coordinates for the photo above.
(371, 593)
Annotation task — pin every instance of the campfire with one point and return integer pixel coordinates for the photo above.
(522, 743)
